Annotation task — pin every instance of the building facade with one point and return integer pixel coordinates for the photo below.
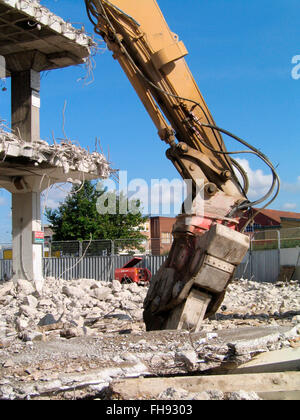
(270, 219)
(161, 234)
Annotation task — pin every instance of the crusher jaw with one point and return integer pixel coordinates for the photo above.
(190, 286)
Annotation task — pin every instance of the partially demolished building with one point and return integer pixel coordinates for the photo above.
(33, 40)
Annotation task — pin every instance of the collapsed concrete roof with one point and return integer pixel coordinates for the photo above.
(37, 165)
(33, 37)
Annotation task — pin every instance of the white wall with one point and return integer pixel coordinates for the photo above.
(291, 256)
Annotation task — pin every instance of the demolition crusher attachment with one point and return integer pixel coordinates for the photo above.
(191, 284)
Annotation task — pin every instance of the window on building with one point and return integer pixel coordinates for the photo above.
(253, 227)
(166, 237)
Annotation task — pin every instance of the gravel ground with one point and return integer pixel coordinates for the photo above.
(77, 327)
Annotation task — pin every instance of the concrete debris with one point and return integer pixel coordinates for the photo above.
(243, 396)
(105, 306)
(84, 328)
(250, 297)
(247, 303)
(65, 155)
(101, 306)
(181, 394)
(24, 287)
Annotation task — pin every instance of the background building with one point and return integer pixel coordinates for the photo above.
(161, 234)
(271, 219)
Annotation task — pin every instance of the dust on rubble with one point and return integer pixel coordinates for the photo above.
(81, 308)
(86, 327)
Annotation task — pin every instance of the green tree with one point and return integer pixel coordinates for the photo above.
(78, 217)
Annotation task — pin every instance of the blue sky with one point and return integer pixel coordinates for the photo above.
(240, 53)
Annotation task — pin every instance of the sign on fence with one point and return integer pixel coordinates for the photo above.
(38, 238)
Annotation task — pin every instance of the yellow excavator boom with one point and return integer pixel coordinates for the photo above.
(207, 248)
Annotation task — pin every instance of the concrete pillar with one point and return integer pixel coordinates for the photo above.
(27, 256)
(25, 104)
(26, 211)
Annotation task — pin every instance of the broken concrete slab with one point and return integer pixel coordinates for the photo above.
(93, 361)
(268, 386)
(46, 164)
(77, 383)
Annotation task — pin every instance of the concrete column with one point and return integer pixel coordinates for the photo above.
(26, 211)
(27, 256)
(25, 104)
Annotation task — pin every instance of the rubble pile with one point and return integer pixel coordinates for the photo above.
(77, 339)
(268, 298)
(69, 309)
(250, 302)
(65, 154)
(84, 307)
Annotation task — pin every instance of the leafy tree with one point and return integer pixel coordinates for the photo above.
(78, 217)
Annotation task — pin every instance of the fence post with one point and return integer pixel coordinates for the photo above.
(279, 250)
(250, 255)
(112, 268)
(112, 247)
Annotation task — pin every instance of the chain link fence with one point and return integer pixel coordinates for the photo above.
(260, 241)
(289, 238)
(97, 248)
(102, 248)
(270, 252)
(275, 239)
(270, 239)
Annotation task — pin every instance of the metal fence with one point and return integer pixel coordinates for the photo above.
(74, 268)
(270, 250)
(275, 239)
(261, 240)
(261, 266)
(98, 268)
(104, 248)
(5, 269)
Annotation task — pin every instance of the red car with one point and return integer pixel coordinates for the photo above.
(131, 274)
